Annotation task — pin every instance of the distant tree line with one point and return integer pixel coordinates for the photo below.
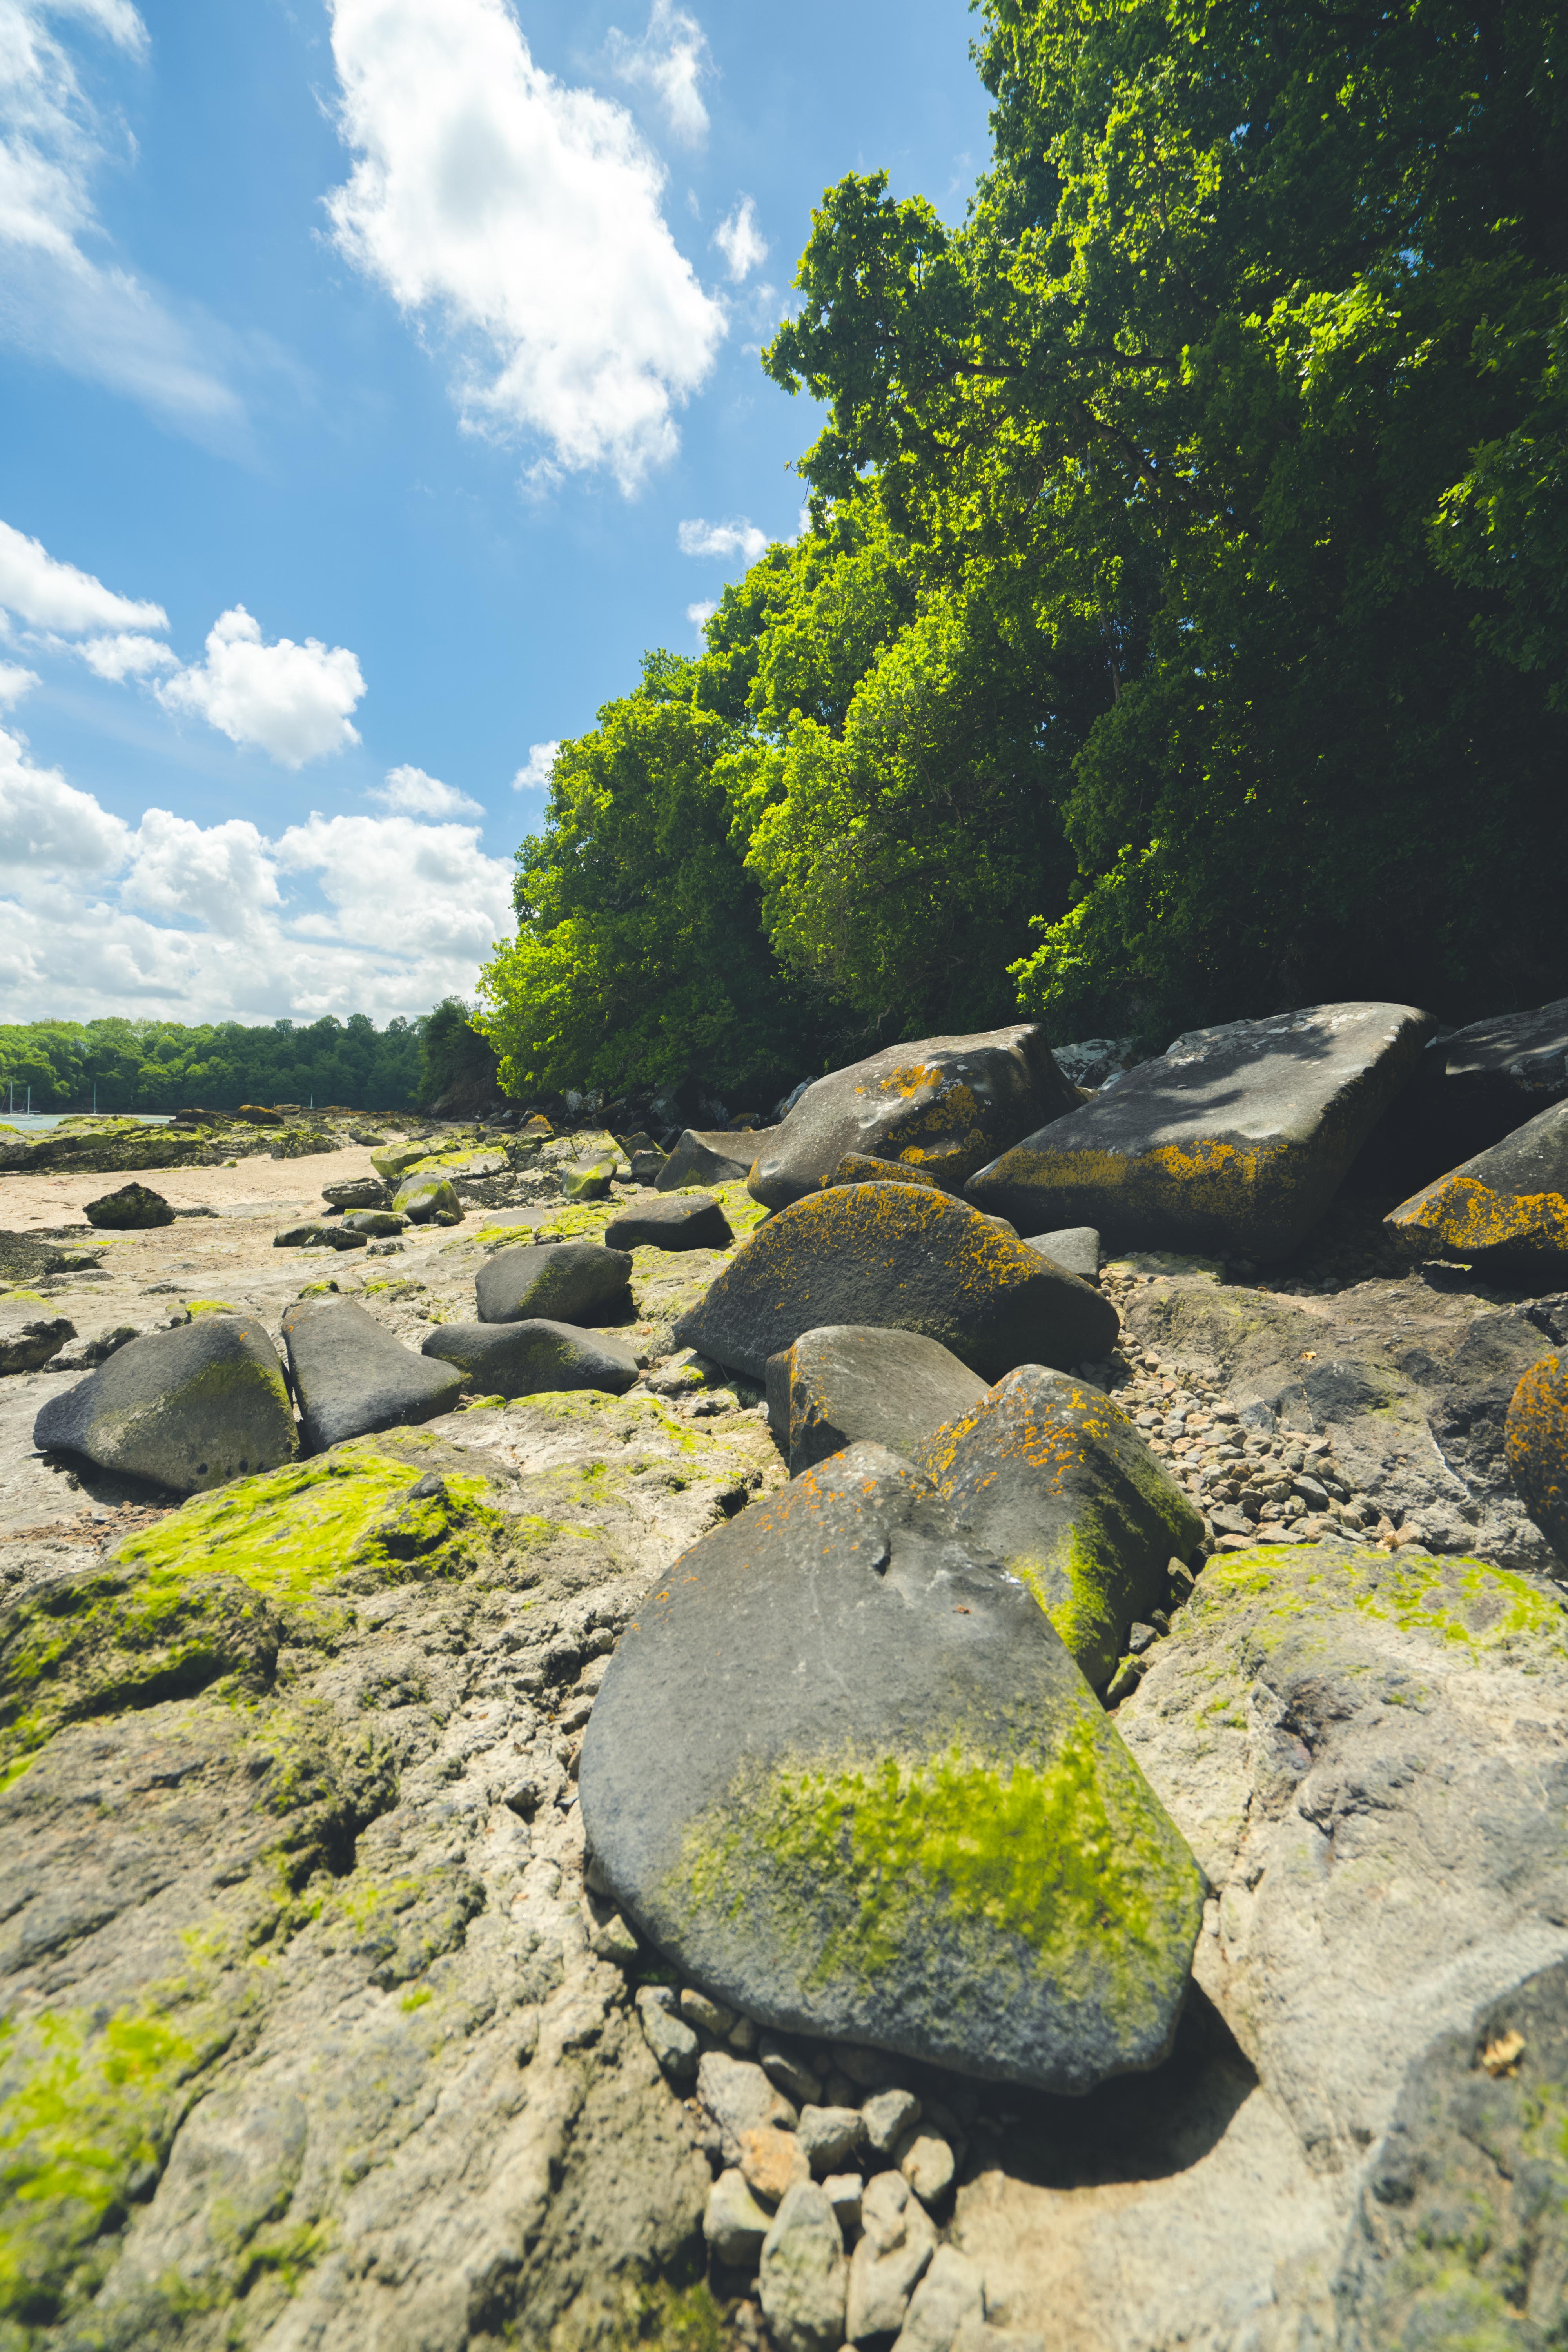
(166, 1065)
(1182, 629)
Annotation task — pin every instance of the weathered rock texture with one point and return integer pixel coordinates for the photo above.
(514, 1359)
(565, 1282)
(1046, 1474)
(944, 1105)
(846, 1777)
(1536, 1437)
(1234, 1140)
(1508, 1206)
(710, 1156)
(353, 1378)
(855, 1381)
(687, 1221)
(909, 1260)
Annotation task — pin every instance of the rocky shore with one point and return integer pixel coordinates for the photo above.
(777, 1764)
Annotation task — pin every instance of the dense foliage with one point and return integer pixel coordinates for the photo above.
(1186, 576)
(161, 1066)
(455, 1058)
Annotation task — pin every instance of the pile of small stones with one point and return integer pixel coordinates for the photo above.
(831, 2178)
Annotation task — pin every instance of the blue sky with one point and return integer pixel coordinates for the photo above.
(377, 379)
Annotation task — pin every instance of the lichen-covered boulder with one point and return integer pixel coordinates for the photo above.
(187, 1409)
(854, 1381)
(685, 1221)
(133, 1207)
(845, 1776)
(709, 1156)
(391, 1161)
(906, 1259)
(428, 1201)
(1234, 1141)
(563, 1282)
(353, 1378)
(1536, 1437)
(942, 1106)
(374, 1224)
(514, 1359)
(1508, 1206)
(1047, 1476)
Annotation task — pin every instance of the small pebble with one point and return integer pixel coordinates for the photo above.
(888, 2115)
(771, 2161)
(697, 2009)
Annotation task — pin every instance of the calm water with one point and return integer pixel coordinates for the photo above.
(41, 1118)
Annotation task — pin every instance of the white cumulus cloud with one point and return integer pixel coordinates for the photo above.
(740, 537)
(126, 655)
(670, 60)
(60, 300)
(534, 777)
(702, 613)
(49, 595)
(293, 701)
(409, 791)
(739, 241)
(378, 914)
(525, 217)
(15, 682)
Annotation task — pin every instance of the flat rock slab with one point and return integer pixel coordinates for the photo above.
(513, 1359)
(1234, 1140)
(685, 1221)
(909, 1260)
(945, 1105)
(1537, 1441)
(187, 1409)
(856, 1381)
(846, 1777)
(1049, 1476)
(561, 1282)
(1507, 1206)
(352, 1377)
(1076, 1247)
(712, 1156)
(131, 1208)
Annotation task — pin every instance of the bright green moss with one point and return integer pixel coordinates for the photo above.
(1468, 1602)
(209, 1307)
(1070, 1865)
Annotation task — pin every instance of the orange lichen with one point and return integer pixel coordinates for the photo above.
(1537, 1444)
(1467, 1215)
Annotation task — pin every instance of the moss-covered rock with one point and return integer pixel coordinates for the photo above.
(846, 1777)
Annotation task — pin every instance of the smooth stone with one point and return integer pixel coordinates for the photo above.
(563, 1282)
(29, 1347)
(315, 1235)
(926, 2161)
(888, 2115)
(903, 1259)
(804, 2277)
(712, 2015)
(670, 2037)
(1076, 1247)
(516, 1360)
(1506, 1207)
(352, 1377)
(1234, 1140)
(709, 1156)
(587, 1180)
(897, 2244)
(843, 2191)
(356, 1192)
(375, 1224)
(950, 2296)
(130, 1209)
(740, 2097)
(831, 2135)
(941, 1104)
(1049, 1476)
(428, 1200)
(682, 1221)
(733, 2223)
(816, 1844)
(860, 1380)
(771, 2161)
(187, 1409)
(1536, 1437)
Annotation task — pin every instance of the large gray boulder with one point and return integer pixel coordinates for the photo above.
(846, 1777)
(1473, 1087)
(1047, 1476)
(941, 1104)
(687, 1221)
(853, 1381)
(907, 1259)
(513, 1359)
(1506, 1207)
(564, 1282)
(187, 1409)
(1234, 1141)
(351, 1376)
(710, 1156)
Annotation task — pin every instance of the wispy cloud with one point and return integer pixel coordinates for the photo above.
(739, 241)
(672, 60)
(534, 776)
(409, 791)
(740, 537)
(525, 219)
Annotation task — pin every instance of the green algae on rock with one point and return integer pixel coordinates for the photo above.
(1047, 1475)
(941, 1848)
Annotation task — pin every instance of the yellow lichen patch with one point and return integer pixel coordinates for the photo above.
(1467, 1216)
(1537, 1441)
